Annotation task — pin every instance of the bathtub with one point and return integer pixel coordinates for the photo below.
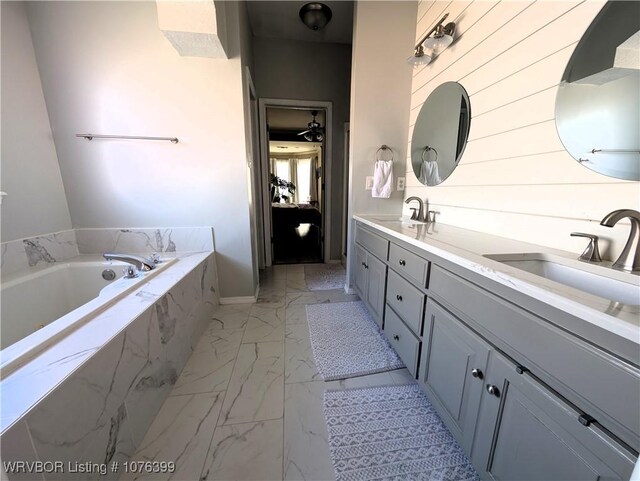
(40, 307)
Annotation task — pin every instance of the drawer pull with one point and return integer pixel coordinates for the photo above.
(402, 262)
(477, 373)
(365, 265)
(399, 297)
(493, 390)
(396, 337)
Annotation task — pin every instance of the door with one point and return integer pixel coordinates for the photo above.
(455, 361)
(527, 432)
(375, 292)
(361, 272)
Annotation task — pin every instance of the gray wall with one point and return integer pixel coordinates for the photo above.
(36, 203)
(107, 68)
(285, 69)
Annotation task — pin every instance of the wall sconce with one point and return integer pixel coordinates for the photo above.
(442, 38)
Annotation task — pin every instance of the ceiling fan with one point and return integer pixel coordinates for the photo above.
(314, 132)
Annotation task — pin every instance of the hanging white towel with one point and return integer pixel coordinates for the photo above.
(382, 179)
(429, 173)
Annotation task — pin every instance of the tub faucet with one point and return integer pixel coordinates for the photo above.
(629, 259)
(419, 216)
(141, 263)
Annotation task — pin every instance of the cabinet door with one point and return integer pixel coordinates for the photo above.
(377, 282)
(361, 271)
(527, 432)
(454, 361)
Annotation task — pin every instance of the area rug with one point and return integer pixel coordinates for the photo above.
(346, 341)
(323, 277)
(391, 433)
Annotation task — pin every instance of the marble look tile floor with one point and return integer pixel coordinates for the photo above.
(248, 404)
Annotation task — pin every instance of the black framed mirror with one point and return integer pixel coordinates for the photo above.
(598, 101)
(440, 133)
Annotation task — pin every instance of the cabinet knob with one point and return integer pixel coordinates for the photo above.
(399, 297)
(493, 390)
(402, 262)
(396, 337)
(477, 373)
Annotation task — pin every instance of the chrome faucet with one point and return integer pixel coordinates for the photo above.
(141, 263)
(629, 259)
(419, 215)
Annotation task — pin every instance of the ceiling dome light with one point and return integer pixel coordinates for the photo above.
(315, 15)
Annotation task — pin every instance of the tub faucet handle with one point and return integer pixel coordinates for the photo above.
(155, 257)
(130, 272)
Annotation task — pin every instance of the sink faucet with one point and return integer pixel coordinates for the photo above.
(629, 259)
(141, 263)
(419, 216)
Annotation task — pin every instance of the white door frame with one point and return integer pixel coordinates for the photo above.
(345, 193)
(254, 169)
(265, 103)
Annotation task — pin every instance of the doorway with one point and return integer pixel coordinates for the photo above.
(295, 154)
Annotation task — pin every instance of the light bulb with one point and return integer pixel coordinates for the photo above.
(419, 58)
(438, 43)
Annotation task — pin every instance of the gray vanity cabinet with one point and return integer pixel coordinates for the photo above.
(454, 363)
(526, 431)
(371, 281)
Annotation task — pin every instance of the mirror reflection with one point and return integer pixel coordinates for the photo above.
(598, 102)
(440, 133)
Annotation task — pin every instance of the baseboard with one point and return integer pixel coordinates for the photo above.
(334, 261)
(239, 300)
(349, 290)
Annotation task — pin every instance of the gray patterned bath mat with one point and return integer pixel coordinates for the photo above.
(323, 277)
(346, 341)
(391, 433)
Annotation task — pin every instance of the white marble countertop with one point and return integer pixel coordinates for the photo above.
(467, 249)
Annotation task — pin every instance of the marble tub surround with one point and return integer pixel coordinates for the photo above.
(145, 240)
(93, 395)
(270, 434)
(467, 249)
(37, 251)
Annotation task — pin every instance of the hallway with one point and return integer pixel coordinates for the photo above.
(248, 405)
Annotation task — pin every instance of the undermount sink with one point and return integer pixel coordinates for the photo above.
(595, 279)
(401, 220)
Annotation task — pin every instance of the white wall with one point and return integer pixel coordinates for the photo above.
(107, 68)
(380, 94)
(515, 179)
(287, 69)
(36, 203)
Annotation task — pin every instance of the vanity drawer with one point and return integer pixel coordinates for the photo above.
(375, 244)
(405, 343)
(409, 264)
(406, 300)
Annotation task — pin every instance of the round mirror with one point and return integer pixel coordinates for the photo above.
(440, 133)
(598, 102)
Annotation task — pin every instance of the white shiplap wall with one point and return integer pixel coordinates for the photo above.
(515, 179)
